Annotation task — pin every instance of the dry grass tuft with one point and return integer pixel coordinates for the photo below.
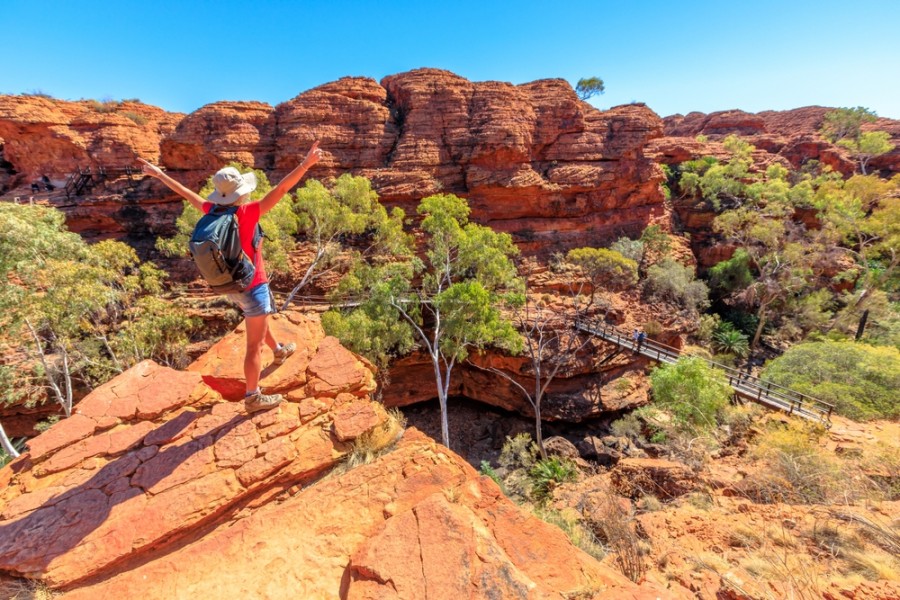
(374, 443)
(25, 589)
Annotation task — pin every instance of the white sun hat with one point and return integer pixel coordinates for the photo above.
(230, 185)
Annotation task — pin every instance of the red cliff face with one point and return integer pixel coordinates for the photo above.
(532, 159)
(42, 136)
(789, 136)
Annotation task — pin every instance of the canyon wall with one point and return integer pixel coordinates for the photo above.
(532, 159)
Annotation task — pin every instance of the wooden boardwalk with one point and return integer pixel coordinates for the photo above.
(745, 385)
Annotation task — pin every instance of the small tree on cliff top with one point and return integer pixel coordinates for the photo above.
(843, 127)
(448, 303)
(588, 87)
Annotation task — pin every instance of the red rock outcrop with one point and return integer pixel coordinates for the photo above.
(789, 135)
(532, 159)
(158, 487)
(43, 136)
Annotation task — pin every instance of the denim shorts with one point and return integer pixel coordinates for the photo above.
(255, 302)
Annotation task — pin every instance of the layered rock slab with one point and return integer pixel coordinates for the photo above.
(416, 523)
(154, 454)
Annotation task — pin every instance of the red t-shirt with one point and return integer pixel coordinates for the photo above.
(248, 218)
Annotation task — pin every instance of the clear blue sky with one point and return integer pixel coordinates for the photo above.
(675, 56)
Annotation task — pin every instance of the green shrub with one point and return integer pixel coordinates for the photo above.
(629, 426)
(547, 474)
(570, 523)
(488, 470)
(603, 267)
(729, 340)
(860, 380)
(655, 240)
(519, 452)
(691, 390)
(631, 249)
(798, 468)
(139, 119)
(670, 280)
(732, 274)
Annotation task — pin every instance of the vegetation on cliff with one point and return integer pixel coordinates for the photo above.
(449, 302)
(73, 315)
(861, 380)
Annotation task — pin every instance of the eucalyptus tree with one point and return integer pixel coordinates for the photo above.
(448, 301)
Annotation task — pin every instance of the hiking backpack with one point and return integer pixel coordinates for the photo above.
(216, 249)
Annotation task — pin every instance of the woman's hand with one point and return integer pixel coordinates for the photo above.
(313, 156)
(150, 169)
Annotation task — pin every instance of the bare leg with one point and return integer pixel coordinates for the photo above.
(257, 328)
(270, 339)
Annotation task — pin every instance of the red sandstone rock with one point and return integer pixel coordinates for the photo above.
(222, 366)
(635, 477)
(532, 159)
(50, 137)
(154, 453)
(416, 523)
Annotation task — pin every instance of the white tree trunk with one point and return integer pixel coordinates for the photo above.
(6, 443)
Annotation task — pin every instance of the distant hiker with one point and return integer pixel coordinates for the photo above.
(634, 338)
(231, 200)
(640, 340)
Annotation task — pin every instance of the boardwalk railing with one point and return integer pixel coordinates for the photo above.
(745, 385)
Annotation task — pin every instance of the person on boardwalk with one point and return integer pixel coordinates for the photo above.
(640, 340)
(232, 188)
(634, 338)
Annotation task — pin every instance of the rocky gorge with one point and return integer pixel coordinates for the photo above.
(159, 477)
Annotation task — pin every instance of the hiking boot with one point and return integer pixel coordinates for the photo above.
(260, 401)
(282, 354)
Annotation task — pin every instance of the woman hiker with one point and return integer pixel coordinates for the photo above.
(233, 188)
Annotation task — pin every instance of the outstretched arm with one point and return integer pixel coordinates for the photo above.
(290, 180)
(190, 196)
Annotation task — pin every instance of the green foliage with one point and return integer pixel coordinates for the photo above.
(449, 302)
(137, 118)
(630, 249)
(547, 474)
(717, 182)
(587, 87)
(707, 327)
(78, 312)
(798, 469)
(670, 280)
(869, 145)
(107, 106)
(729, 340)
(487, 470)
(860, 380)
(733, 274)
(844, 128)
(606, 268)
(629, 426)
(655, 240)
(845, 123)
(691, 390)
(519, 452)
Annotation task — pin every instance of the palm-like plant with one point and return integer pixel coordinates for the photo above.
(729, 340)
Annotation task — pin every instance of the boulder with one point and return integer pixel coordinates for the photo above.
(561, 447)
(636, 477)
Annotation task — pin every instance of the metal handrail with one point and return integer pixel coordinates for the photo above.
(768, 391)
